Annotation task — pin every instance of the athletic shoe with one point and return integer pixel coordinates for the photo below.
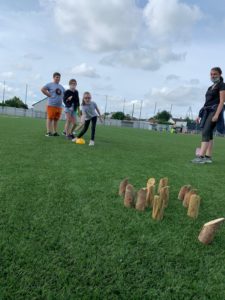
(208, 159)
(63, 133)
(92, 143)
(70, 136)
(56, 134)
(48, 134)
(74, 140)
(198, 160)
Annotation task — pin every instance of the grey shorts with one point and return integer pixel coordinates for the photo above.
(71, 111)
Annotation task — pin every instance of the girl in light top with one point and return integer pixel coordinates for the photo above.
(90, 112)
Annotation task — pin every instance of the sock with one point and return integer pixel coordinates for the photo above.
(206, 156)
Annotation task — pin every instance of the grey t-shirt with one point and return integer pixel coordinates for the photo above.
(89, 110)
(57, 91)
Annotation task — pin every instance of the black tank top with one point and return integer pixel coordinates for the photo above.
(212, 96)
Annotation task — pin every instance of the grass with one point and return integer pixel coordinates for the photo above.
(64, 233)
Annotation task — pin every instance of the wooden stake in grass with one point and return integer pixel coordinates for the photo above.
(184, 189)
(164, 194)
(122, 186)
(150, 195)
(163, 182)
(158, 208)
(193, 206)
(208, 231)
(151, 182)
(188, 196)
(141, 200)
(129, 196)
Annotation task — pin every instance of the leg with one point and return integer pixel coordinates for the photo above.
(49, 126)
(207, 135)
(93, 126)
(55, 126)
(67, 125)
(86, 125)
(57, 114)
(210, 148)
(49, 120)
(73, 123)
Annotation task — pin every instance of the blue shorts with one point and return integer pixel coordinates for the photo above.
(70, 111)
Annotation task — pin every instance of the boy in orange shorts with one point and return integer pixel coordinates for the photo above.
(54, 91)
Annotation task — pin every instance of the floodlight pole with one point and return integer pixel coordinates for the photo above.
(140, 110)
(26, 94)
(155, 108)
(133, 111)
(106, 103)
(124, 101)
(140, 113)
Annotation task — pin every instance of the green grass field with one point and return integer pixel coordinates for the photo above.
(64, 233)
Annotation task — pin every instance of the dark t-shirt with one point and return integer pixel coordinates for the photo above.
(212, 96)
(75, 102)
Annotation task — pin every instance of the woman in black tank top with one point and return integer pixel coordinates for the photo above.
(209, 115)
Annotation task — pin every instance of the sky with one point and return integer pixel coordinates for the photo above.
(154, 54)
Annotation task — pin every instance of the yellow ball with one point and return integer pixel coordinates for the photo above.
(80, 141)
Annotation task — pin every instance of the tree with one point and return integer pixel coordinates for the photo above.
(163, 116)
(16, 102)
(119, 115)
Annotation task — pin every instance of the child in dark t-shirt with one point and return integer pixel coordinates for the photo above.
(72, 105)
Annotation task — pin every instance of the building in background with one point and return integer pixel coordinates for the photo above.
(40, 105)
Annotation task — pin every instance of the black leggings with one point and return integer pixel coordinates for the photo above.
(93, 122)
(208, 128)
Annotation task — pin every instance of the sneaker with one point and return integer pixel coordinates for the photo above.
(63, 133)
(208, 159)
(74, 140)
(198, 160)
(48, 134)
(70, 137)
(56, 134)
(92, 143)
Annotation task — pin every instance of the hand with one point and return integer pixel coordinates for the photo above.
(69, 98)
(100, 118)
(198, 120)
(215, 118)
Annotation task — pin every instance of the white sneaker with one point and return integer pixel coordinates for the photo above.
(92, 143)
(74, 140)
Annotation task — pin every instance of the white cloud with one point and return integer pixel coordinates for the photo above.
(194, 81)
(103, 87)
(85, 70)
(179, 96)
(6, 75)
(172, 77)
(143, 58)
(5, 87)
(101, 26)
(171, 19)
(23, 67)
(32, 56)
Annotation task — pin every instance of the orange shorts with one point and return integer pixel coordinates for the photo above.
(54, 113)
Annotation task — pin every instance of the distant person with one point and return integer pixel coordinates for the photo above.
(72, 105)
(89, 111)
(54, 91)
(210, 115)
